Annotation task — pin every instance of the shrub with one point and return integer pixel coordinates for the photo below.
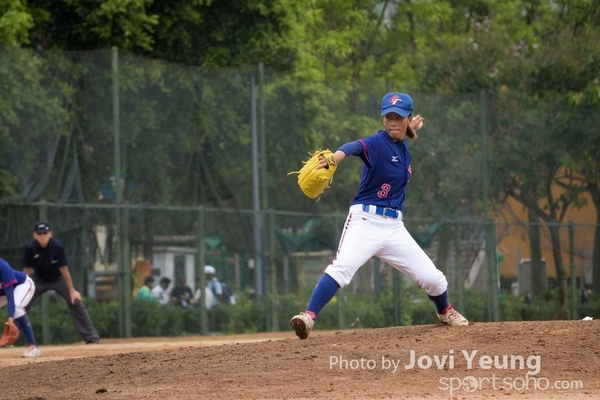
(346, 310)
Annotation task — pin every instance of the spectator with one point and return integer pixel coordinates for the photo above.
(586, 293)
(214, 285)
(145, 292)
(208, 296)
(160, 293)
(182, 293)
(45, 261)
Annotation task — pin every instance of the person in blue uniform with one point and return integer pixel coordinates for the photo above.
(375, 226)
(16, 291)
(44, 259)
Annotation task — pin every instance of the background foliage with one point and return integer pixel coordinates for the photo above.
(153, 320)
(525, 73)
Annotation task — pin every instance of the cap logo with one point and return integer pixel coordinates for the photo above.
(395, 99)
(41, 227)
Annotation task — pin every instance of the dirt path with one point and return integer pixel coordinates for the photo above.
(12, 355)
(527, 360)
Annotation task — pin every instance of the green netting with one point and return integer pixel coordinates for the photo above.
(186, 160)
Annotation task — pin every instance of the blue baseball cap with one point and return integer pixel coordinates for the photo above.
(41, 227)
(400, 103)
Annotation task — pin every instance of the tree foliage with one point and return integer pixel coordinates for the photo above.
(15, 23)
(327, 65)
(196, 32)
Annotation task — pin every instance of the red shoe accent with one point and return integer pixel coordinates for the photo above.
(312, 315)
(445, 310)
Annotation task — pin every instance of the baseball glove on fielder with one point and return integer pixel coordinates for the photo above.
(312, 181)
(10, 335)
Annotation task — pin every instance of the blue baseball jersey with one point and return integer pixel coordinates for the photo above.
(386, 171)
(9, 278)
(45, 261)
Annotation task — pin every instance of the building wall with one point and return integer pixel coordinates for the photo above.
(513, 239)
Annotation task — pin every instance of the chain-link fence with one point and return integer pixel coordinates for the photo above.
(149, 168)
(177, 242)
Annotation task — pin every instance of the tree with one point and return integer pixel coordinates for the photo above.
(92, 25)
(31, 112)
(541, 55)
(194, 32)
(15, 22)
(224, 33)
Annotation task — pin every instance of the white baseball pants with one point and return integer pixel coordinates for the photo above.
(366, 235)
(23, 295)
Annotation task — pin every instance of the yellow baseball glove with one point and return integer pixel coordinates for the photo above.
(313, 181)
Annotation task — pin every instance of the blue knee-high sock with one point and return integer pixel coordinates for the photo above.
(323, 292)
(25, 326)
(441, 302)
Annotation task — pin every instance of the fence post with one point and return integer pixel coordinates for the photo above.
(377, 278)
(46, 333)
(122, 281)
(259, 260)
(490, 228)
(492, 271)
(397, 296)
(572, 267)
(237, 272)
(127, 272)
(201, 260)
(286, 274)
(459, 280)
(341, 295)
(273, 274)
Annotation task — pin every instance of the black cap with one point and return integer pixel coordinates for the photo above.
(41, 227)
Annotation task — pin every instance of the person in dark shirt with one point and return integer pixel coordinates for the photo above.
(45, 261)
(182, 294)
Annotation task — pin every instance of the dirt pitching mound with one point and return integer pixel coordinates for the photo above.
(527, 360)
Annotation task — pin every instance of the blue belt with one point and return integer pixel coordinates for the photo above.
(384, 211)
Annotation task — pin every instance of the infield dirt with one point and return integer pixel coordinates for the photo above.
(524, 360)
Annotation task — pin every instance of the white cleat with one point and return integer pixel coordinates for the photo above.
(32, 352)
(302, 324)
(453, 318)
